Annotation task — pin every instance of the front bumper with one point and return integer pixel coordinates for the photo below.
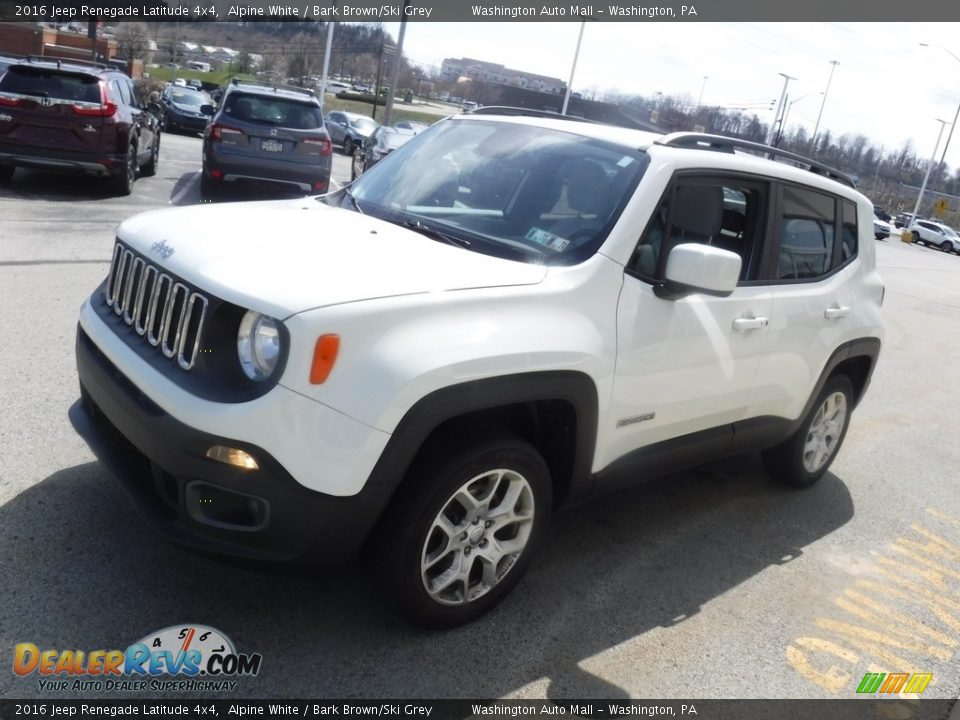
(186, 122)
(193, 501)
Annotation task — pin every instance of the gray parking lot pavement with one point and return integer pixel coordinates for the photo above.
(710, 583)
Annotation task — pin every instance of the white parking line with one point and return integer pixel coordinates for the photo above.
(185, 189)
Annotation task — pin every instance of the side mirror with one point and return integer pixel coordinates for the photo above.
(694, 267)
(207, 109)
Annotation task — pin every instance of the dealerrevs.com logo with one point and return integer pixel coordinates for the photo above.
(197, 657)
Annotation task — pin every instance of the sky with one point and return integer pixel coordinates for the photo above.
(886, 85)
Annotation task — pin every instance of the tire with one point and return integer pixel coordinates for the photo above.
(209, 190)
(806, 455)
(946, 246)
(6, 173)
(353, 166)
(918, 240)
(347, 146)
(413, 553)
(150, 169)
(123, 183)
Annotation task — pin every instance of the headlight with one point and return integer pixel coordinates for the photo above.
(258, 345)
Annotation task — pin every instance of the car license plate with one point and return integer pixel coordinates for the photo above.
(271, 146)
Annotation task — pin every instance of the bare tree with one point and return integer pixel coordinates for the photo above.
(133, 40)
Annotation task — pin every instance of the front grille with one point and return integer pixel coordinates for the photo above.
(159, 308)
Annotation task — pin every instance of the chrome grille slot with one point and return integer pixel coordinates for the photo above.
(129, 292)
(112, 277)
(192, 325)
(173, 317)
(144, 293)
(169, 313)
(120, 278)
(158, 309)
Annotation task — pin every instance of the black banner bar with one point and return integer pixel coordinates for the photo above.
(852, 709)
(482, 10)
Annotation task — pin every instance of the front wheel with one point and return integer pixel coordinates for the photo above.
(804, 457)
(461, 536)
(347, 146)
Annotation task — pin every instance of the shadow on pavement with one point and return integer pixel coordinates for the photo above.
(35, 184)
(79, 570)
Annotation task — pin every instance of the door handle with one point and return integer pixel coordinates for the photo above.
(836, 312)
(743, 324)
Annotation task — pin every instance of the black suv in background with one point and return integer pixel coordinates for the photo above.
(266, 134)
(76, 116)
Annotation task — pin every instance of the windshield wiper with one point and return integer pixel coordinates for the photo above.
(435, 234)
(353, 200)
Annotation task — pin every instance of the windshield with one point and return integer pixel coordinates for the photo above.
(505, 189)
(186, 98)
(950, 232)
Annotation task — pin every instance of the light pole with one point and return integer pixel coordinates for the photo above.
(786, 114)
(573, 69)
(395, 70)
(926, 177)
(813, 138)
(702, 88)
(783, 94)
(956, 114)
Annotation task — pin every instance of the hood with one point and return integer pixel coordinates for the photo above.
(284, 257)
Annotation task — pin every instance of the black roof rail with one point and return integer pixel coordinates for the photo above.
(525, 112)
(721, 143)
(75, 61)
(274, 86)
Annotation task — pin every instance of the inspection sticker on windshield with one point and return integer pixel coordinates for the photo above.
(547, 239)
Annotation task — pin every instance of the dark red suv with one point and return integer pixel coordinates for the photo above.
(75, 116)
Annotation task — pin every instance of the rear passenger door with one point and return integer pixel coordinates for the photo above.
(808, 268)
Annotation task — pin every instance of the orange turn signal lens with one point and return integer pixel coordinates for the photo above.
(324, 356)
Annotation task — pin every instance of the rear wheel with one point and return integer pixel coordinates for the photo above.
(150, 169)
(347, 146)
(123, 182)
(946, 246)
(464, 530)
(804, 457)
(209, 188)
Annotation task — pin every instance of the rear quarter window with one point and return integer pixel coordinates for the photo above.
(51, 84)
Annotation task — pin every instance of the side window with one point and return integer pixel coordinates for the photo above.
(807, 229)
(720, 212)
(119, 92)
(848, 247)
(134, 95)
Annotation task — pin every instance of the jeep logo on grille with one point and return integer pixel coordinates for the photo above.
(162, 249)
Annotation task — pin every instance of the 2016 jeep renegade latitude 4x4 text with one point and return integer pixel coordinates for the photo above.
(506, 315)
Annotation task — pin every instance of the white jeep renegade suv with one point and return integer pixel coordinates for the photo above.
(504, 316)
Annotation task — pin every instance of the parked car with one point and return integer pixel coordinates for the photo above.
(75, 116)
(185, 109)
(414, 127)
(195, 84)
(928, 232)
(349, 129)
(179, 82)
(881, 229)
(505, 317)
(381, 143)
(903, 220)
(263, 133)
(881, 213)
